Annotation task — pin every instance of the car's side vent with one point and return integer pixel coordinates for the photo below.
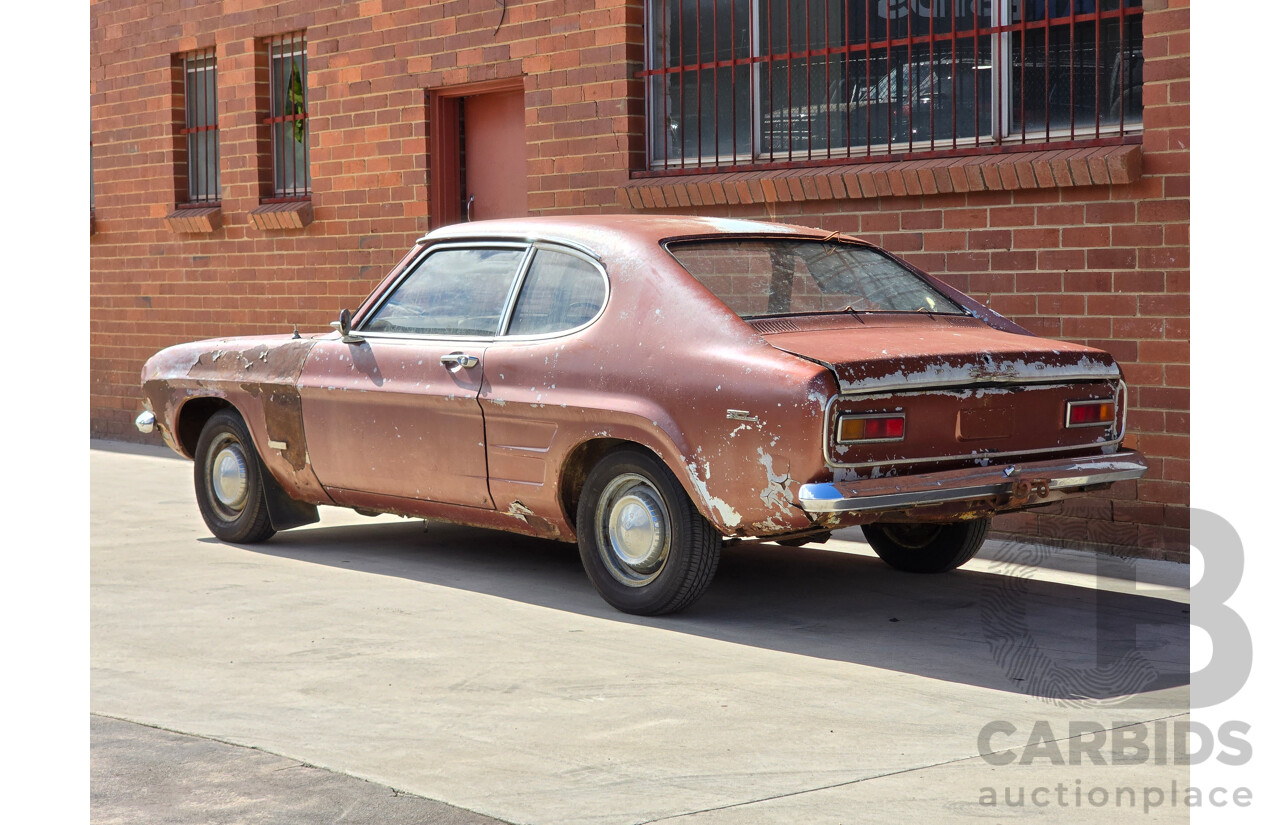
(775, 325)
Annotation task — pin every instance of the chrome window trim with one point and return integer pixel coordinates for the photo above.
(530, 247)
(431, 242)
(827, 432)
(867, 417)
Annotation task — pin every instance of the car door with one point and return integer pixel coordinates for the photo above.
(541, 374)
(396, 413)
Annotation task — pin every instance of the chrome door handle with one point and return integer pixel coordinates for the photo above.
(458, 359)
(471, 202)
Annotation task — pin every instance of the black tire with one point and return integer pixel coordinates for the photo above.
(229, 481)
(926, 547)
(670, 552)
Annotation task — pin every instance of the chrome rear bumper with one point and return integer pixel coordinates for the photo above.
(1019, 482)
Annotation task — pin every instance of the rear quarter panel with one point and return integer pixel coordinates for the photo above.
(662, 367)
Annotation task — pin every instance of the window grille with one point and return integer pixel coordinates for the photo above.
(752, 83)
(287, 119)
(200, 126)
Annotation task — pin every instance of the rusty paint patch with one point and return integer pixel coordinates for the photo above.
(282, 411)
(262, 364)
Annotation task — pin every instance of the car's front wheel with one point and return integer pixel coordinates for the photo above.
(229, 481)
(926, 547)
(644, 545)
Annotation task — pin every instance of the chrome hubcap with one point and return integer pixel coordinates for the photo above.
(633, 530)
(229, 475)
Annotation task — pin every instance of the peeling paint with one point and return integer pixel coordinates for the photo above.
(518, 510)
(727, 514)
(775, 494)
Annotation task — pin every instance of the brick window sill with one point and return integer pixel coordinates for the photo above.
(284, 215)
(1096, 166)
(195, 220)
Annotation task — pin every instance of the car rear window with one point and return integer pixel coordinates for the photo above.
(757, 277)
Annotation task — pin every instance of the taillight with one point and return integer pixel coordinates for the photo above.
(1091, 413)
(875, 427)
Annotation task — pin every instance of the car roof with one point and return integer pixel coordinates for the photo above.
(598, 233)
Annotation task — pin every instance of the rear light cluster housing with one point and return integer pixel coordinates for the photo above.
(871, 428)
(1100, 412)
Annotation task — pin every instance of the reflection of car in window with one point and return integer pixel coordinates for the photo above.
(915, 103)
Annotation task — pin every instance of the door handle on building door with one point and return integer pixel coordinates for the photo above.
(471, 202)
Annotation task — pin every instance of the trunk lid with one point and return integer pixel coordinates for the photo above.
(873, 353)
(969, 394)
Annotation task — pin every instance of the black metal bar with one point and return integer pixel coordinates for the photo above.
(911, 82)
(680, 81)
(1097, 70)
(867, 62)
(306, 119)
(846, 97)
(933, 74)
(733, 85)
(1071, 67)
(826, 71)
(790, 130)
(715, 80)
(1022, 73)
(1047, 28)
(977, 119)
(697, 75)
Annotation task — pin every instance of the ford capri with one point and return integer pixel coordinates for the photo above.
(653, 389)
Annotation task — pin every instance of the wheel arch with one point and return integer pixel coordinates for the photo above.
(191, 418)
(589, 452)
(578, 463)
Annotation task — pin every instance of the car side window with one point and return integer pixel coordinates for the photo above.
(452, 291)
(560, 292)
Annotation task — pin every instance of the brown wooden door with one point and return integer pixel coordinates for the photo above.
(494, 166)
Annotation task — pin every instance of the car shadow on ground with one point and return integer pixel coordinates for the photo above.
(1015, 633)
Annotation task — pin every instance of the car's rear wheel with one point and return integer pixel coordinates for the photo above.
(926, 547)
(229, 486)
(644, 545)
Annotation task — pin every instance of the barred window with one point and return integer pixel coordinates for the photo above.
(287, 120)
(733, 83)
(200, 126)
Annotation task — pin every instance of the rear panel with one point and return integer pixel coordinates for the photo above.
(973, 425)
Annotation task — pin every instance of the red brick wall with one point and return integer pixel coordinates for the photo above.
(1101, 264)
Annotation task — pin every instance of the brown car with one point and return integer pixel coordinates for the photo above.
(649, 387)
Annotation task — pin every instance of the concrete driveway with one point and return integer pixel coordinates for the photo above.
(480, 669)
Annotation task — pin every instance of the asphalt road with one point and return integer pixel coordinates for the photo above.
(481, 670)
(142, 774)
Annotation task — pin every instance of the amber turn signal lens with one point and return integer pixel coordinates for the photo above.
(1090, 413)
(871, 428)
